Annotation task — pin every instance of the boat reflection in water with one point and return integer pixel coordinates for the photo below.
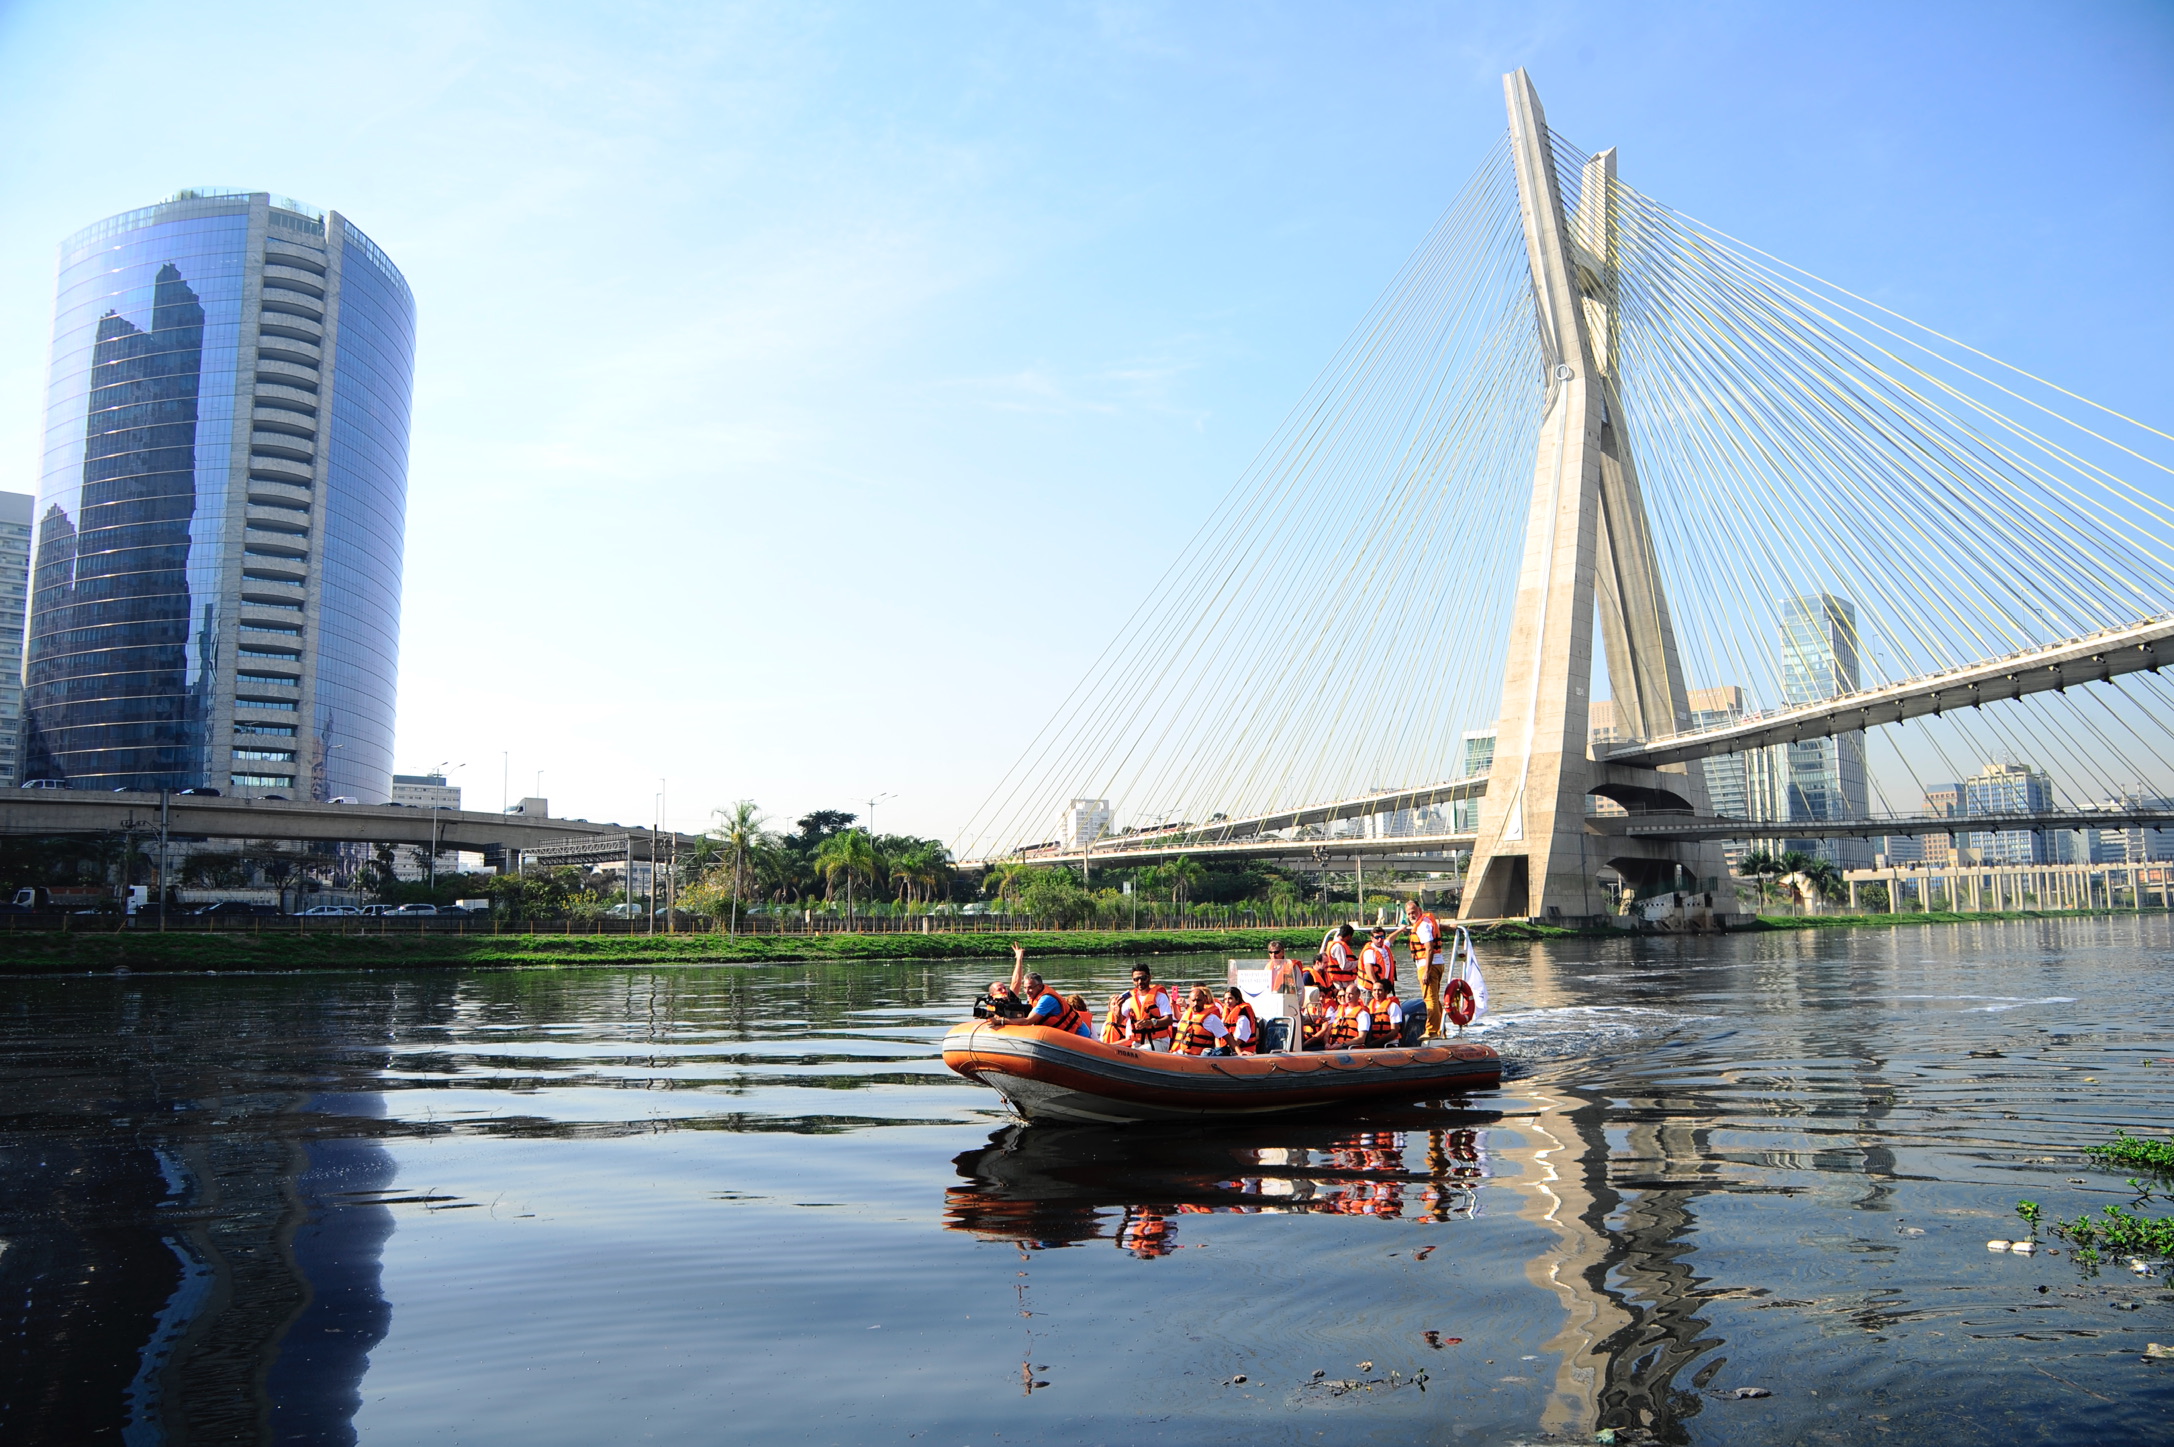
(1046, 1186)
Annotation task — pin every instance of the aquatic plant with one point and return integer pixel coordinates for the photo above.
(2126, 1150)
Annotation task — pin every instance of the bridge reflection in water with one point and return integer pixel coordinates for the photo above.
(1618, 1260)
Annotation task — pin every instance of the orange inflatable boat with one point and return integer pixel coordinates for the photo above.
(1051, 1075)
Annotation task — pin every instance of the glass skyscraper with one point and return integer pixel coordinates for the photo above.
(215, 589)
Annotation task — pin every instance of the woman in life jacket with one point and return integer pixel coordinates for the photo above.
(1243, 1024)
(1113, 1023)
(1313, 1012)
(1349, 1026)
(1387, 1024)
(1200, 1030)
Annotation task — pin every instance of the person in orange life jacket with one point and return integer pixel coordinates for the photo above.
(1200, 1029)
(1245, 1026)
(1339, 966)
(1387, 1025)
(1347, 1026)
(1148, 1011)
(1427, 956)
(1114, 1024)
(1377, 962)
(1313, 1007)
(1044, 1007)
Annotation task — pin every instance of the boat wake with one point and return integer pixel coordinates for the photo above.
(1570, 1031)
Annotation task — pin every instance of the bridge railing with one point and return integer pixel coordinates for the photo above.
(395, 926)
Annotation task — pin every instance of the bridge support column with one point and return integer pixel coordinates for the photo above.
(1587, 543)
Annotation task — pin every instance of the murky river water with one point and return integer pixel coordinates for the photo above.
(718, 1205)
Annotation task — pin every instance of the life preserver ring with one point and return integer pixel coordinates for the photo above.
(1460, 1003)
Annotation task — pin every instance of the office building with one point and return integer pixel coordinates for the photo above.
(15, 513)
(1086, 821)
(425, 791)
(1476, 755)
(2011, 789)
(2131, 844)
(1816, 779)
(1712, 708)
(215, 595)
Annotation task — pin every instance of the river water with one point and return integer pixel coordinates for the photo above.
(724, 1204)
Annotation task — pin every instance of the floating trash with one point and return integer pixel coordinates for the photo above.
(2024, 1248)
(2140, 1266)
(1996, 1245)
(1745, 1394)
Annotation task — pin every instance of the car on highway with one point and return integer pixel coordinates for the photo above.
(328, 911)
(414, 911)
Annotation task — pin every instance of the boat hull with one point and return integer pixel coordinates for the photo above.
(1050, 1075)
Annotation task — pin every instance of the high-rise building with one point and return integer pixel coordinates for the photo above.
(1476, 748)
(2011, 789)
(425, 791)
(1816, 779)
(1725, 786)
(2131, 844)
(1085, 821)
(215, 598)
(15, 513)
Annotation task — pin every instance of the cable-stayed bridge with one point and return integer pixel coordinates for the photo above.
(1844, 573)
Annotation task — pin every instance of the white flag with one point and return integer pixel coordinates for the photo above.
(1476, 980)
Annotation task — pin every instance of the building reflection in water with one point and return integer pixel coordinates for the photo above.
(191, 1253)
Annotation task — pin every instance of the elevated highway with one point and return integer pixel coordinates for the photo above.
(71, 811)
(2093, 658)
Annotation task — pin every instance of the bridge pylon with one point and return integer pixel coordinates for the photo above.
(1588, 550)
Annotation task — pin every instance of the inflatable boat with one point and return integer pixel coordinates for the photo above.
(1048, 1074)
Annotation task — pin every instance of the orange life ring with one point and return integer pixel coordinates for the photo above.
(1460, 1003)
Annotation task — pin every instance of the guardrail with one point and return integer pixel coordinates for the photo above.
(415, 925)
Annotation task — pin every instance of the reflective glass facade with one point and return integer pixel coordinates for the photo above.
(216, 571)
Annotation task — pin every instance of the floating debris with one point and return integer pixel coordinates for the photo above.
(1996, 1245)
(2023, 1248)
(1745, 1394)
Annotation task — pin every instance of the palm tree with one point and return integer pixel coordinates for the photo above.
(1761, 865)
(848, 855)
(1183, 875)
(740, 831)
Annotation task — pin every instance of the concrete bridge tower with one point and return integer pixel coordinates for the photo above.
(1588, 550)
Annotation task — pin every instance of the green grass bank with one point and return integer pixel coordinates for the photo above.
(59, 951)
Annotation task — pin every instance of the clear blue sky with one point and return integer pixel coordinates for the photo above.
(806, 391)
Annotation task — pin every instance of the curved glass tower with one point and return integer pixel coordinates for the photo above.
(215, 581)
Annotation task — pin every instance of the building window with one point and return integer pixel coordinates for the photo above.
(287, 705)
(283, 731)
(294, 658)
(262, 781)
(272, 756)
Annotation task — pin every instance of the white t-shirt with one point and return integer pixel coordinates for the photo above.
(1213, 1024)
(1243, 1030)
(1162, 1003)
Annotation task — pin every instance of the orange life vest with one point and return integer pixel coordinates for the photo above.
(1431, 944)
(1384, 1032)
(1232, 1014)
(1337, 967)
(1141, 1009)
(1378, 962)
(1068, 1020)
(1194, 1036)
(1344, 1027)
(1113, 1029)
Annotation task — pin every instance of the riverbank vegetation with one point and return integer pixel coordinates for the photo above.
(372, 946)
